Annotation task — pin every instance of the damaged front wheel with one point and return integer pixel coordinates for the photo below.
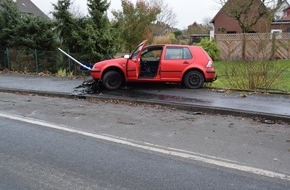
(112, 80)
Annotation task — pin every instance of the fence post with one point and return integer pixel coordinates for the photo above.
(7, 58)
(288, 57)
(36, 60)
(244, 47)
(69, 62)
(273, 46)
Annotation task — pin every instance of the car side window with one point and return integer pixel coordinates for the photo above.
(175, 53)
(151, 55)
(187, 53)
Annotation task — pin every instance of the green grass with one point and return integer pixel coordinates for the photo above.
(257, 76)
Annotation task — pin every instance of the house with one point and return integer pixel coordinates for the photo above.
(28, 7)
(281, 6)
(225, 21)
(281, 23)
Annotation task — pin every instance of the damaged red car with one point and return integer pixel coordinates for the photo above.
(190, 65)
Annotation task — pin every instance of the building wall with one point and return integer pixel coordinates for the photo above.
(285, 27)
(280, 12)
(223, 24)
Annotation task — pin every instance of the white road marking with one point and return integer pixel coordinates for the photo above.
(155, 148)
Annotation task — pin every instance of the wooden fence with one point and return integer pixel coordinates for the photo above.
(254, 46)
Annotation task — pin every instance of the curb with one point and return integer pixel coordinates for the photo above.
(196, 109)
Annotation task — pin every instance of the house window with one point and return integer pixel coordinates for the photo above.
(231, 32)
(221, 29)
(277, 33)
(288, 29)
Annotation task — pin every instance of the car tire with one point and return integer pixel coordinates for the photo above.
(112, 80)
(193, 80)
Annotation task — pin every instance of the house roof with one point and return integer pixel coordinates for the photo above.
(286, 16)
(26, 6)
(280, 9)
(221, 10)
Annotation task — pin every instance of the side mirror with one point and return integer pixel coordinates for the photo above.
(126, 56)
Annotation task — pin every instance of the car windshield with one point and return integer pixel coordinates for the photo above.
(136, 52)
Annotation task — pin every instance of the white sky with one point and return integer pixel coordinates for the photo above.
(187, 11)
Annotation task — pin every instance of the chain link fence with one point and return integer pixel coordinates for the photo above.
(36, 61)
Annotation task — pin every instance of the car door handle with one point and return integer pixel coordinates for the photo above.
(185, 62)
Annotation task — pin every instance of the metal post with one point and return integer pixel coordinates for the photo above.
(36, 60)
(69, 62)
(7, 57)
(83, 65)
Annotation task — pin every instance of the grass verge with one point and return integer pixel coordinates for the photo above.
(265, 76)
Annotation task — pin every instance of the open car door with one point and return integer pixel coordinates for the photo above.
(136, 56)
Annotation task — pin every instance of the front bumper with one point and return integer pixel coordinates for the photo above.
(96, 74)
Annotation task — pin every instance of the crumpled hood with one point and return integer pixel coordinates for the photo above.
(117, 61)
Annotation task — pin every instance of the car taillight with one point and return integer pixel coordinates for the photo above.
(209, 64)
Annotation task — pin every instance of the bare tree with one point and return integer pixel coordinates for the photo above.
(249, 12)
(77, 12)
(167, 15)
(207, 23)
(166, 19)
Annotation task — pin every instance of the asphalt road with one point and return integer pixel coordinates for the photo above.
(270, 106)
(35, 157)
(71, 143)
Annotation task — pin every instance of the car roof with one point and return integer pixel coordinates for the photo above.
(175, 45)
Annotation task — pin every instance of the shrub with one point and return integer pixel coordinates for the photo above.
(64, 73)
(162, 40)
(210, 47)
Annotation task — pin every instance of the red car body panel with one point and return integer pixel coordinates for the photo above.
(165, 70)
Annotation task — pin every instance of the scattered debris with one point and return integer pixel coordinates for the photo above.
(269, 122)
(44, 74)
(260, 131)
(221, 90)
(194, 113)
(90, 86)
(231, 125)
(243, 95)
(126, 122)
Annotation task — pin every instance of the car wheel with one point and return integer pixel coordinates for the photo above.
(193, 80)
(112, 80)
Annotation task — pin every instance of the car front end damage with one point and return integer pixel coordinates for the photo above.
(96, 73)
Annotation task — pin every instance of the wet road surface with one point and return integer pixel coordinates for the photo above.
(260, 104)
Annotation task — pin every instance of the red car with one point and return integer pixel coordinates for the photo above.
(189, 65)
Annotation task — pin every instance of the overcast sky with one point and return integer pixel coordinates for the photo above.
(187, 11)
